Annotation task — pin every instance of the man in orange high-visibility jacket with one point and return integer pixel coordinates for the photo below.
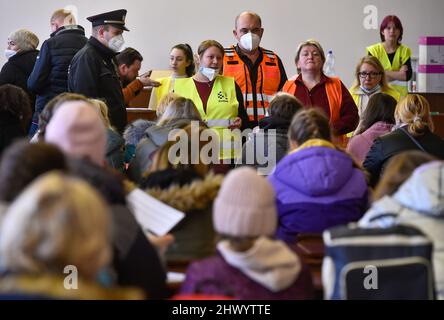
(258, 72)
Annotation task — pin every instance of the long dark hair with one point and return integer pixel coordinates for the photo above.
(186, 48)
(15, 101)
(380, 107)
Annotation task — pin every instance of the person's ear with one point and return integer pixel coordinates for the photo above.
(123, 69)
(293, 144)
(101, 31)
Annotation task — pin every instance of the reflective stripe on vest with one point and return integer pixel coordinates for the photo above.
(219, 123)
(219, 111)
(268, 79)
(402, 54)
(259, 97)
(260, 112)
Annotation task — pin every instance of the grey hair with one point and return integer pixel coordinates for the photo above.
(24, 39)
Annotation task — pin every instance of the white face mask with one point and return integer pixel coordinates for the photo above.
(209, 72)
(9, 53)
(250, 41)
(116, 43)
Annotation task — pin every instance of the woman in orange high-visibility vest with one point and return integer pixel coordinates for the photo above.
(314, 89)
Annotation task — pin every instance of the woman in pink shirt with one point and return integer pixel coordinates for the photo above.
(378, 119)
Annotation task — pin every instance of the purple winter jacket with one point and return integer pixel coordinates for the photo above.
(214, 276)
(317, 188)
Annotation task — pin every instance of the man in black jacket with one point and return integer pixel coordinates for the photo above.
(50, 74)
(93, 69)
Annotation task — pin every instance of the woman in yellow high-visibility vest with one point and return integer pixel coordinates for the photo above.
(217, 98)
(182, 65)
(369, 80)
(394, 56)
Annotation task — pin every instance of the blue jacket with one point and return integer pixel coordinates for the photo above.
(50, 74)
(317, 188)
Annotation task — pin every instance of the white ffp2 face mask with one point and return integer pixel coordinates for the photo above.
(209, 73)
(116, 43)
(250, 41)
(9, 53)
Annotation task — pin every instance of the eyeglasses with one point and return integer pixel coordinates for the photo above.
(372, 75)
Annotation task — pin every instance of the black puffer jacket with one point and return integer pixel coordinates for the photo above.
(50, 75)
(93, 73)
(17, 70)
(395, 142)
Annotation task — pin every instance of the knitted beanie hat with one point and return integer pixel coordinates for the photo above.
(78, 130)
(245, 205)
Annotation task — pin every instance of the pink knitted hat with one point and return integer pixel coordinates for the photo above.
(245, 205)
(77, 129)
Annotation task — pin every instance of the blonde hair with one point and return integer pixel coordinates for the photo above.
(375, 63)
(103, 108)
(180, 108)
(414, 110)
(161, 160)
(24, 39)
(165, 102)
(309, 42)
(56, 221)
(207, 44)
(65, 17)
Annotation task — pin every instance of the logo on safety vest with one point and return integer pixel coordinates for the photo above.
(222, 96)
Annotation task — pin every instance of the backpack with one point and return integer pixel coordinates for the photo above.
(377, 263)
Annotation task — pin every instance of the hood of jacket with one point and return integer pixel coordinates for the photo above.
(424, 190)
(314, 171)
(159, 134)
(134, 132)
(421, 193)
(198, 194)
(277, 123)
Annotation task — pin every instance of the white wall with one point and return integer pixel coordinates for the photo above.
(158, 25)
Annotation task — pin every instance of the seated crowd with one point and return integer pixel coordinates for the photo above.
(250, 185)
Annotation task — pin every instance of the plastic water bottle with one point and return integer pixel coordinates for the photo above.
(329, 65)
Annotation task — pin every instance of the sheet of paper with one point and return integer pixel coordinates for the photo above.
(152, 214)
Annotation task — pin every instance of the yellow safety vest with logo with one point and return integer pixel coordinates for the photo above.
(222, 109)
(402, 54)
(159, 92)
